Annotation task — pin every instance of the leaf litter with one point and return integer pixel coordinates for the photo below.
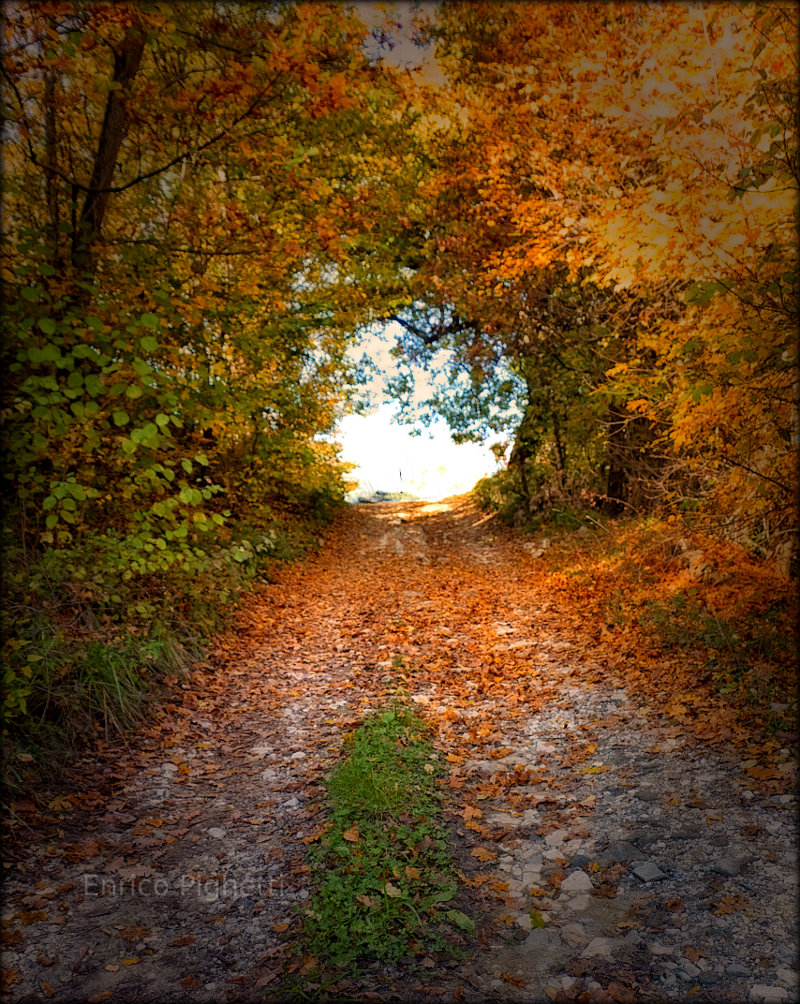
(614, 840)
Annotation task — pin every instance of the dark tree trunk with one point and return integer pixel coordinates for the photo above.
(127, 59)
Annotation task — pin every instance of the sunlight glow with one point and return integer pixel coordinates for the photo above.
(389, 458)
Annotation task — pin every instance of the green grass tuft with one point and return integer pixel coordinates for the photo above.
(384, 873)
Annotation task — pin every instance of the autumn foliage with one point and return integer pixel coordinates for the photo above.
(589, 208)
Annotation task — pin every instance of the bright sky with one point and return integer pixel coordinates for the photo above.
(388, 457)
(386, 454)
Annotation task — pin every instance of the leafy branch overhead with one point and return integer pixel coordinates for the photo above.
(580, 220)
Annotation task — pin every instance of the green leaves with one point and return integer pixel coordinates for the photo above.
(461, 920)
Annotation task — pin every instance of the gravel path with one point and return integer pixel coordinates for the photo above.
(177, 867)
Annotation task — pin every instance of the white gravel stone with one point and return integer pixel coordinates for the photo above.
(523, 920)
(217, 832)
(600, 946)
(577, 881)
(768, 995)
(578, 904)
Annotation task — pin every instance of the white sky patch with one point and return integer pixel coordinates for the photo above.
(404, 52)
(390, 458)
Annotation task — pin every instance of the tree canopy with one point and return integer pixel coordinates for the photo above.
(586, 216)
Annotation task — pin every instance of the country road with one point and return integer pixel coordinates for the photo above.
(173, 867)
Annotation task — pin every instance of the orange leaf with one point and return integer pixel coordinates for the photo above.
(352, 835)
(180, 942)
(517, 981)
(483, 854)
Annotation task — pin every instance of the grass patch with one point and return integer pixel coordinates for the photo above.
(384, 876)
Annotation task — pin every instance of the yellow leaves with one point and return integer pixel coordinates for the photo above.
(598, 768)
(61, 803)
(639, 405)
(30, 916)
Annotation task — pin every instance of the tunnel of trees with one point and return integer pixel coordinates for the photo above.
(583, 215)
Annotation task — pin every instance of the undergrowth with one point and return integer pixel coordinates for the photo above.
(87, 644)
(384, 876)
(678, 610)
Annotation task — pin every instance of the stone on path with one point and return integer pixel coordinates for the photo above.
(574, 935)
(727, 866)
(622, 850)
(577, 881)
(648, 872)
(600, 946)
(768, 995)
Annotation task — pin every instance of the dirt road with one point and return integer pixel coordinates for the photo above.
(172, 868)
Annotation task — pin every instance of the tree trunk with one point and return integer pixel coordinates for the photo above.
(127, 59)
(617, 476)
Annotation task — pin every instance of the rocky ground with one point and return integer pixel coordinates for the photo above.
(607, 851)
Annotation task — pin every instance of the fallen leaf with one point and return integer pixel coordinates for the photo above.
(9, 976)
(133, 933)
(483, 854)
(187, 939)
(98, 998)
(47, 990)
(392, 890)
(731, 904)
(191, 982)
(30, 916)
(517, 981)
(352, 835)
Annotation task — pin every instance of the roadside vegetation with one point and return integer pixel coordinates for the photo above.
(670, 605)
